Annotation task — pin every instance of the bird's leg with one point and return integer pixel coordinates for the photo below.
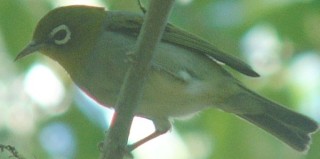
(161, 126)
(144, 140)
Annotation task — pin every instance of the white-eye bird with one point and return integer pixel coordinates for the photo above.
(186, 74)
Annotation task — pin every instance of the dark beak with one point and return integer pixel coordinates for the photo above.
(29, 49)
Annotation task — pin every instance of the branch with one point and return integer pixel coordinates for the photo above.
(12, 150)
(150, 35)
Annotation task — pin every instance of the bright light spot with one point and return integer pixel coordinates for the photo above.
(140, 128)
(199, 144)
(261, 45)
(168, 146)
(43, 86)
(57, 139)
(309, 105)
(20, 120)
(305, 71)
(58, 3)
(304, 76)
(184, 2)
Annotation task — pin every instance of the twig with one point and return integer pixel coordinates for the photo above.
(150, 35)
(12, 150)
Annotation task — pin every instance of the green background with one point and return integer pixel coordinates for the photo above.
(292, 26)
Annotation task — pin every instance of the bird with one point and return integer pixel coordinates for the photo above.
(187, 74)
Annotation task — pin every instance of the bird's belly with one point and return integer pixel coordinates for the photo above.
(162, 96)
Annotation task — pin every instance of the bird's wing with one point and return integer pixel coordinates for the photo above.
(131, 23)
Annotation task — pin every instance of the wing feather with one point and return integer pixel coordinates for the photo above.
(130, 24)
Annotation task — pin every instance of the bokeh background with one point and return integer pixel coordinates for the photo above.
(44, 115)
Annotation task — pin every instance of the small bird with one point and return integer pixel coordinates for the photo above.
(186, 74)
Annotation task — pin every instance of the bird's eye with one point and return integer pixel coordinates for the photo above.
(61, 34)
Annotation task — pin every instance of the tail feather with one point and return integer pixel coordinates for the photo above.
(290, 127)
(297, 138)
(291, 118)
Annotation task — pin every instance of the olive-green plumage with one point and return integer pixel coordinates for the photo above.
(92, 45)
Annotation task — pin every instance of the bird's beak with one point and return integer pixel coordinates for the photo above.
(29, 49)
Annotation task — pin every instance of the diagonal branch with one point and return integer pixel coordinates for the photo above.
(150, 35)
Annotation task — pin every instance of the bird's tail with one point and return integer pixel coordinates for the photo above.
(290, 127)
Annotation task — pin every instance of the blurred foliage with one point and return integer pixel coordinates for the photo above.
(297, 22)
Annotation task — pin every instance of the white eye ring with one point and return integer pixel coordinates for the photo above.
(61, 28)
